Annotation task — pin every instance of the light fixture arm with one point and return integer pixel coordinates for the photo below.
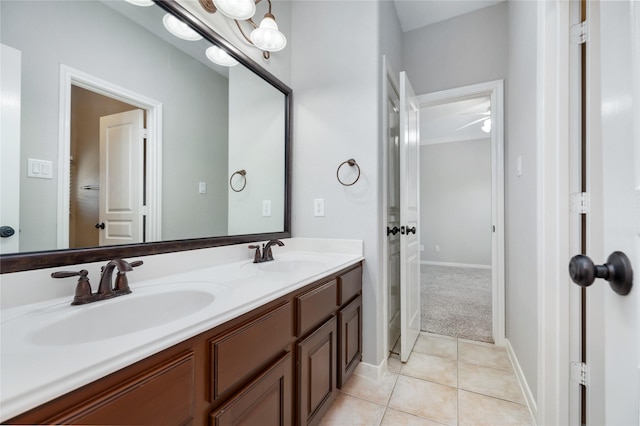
(265, 54)
(208, 6)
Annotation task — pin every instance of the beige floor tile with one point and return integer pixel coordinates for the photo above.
(425, 399)
(430, 344)
(349, 410)
(398, 418)
(475, 409)
(489, 381)
(431, 368)
(377, 391)
(394, 364)
(488, 356)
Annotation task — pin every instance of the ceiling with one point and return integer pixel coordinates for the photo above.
(415, 14)
(454, 121)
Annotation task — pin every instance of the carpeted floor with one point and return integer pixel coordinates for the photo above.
(456, 302)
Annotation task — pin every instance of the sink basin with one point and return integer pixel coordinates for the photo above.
(123, 315)
(289, 265)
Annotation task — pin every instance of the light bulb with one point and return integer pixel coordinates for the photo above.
(220, 57)
(236, 9)
(267, 36)
(179, 28)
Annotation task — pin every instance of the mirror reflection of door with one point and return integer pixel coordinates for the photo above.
(87, 108)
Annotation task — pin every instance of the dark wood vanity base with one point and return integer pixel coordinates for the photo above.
(280, 364)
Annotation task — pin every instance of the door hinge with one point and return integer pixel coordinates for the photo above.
(145, 133)
(580, 373)
(579, 33)
(580, 202)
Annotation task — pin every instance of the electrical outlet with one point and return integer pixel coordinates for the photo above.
(202, 187)
(437, 248)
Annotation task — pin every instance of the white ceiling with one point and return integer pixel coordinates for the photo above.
(455, 121)
(415, 14)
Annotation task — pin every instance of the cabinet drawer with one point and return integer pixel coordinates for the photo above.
(162, 395)
(315, 306)
(242, 353)
(350, 339)
(265, 401)
(349, 286)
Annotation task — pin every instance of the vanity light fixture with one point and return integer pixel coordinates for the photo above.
(179, 28)
(266, 36)
(220, 57)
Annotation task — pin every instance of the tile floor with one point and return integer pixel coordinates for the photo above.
(445, 381)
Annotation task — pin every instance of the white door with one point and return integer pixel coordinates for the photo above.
(121, 178)
(612, 320)
(10, 149)
(393, 212)
(409, 218)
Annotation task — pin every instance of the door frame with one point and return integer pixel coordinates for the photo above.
(153, 207)
(495, 90)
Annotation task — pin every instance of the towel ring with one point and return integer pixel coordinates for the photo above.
(242, 173)
(352, 163)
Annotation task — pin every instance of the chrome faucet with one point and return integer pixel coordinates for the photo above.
(105, 289)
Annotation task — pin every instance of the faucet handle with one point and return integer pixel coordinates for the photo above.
(122, 283)
(257, 258)
(83, 288)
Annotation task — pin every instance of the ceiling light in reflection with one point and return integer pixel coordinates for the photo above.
(179, 28)
(143, 3)
(220, 57)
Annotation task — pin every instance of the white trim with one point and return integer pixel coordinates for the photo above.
(371, 371)
(552, 140)
(70, 76)
(522, 381)
(455, 265)
(496, 90)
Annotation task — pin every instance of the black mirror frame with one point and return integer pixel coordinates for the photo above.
(17, 262)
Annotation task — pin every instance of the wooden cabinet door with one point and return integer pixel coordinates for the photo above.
(350, 343)
(266, 401)
(316, 357)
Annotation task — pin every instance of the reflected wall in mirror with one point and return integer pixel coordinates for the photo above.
(83, 63)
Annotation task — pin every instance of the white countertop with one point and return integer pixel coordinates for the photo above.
(36, 368)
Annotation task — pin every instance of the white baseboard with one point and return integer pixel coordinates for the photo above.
(526, 391)
(371, 371)
(457, 265)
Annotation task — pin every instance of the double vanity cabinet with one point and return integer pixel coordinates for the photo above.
(279, 364)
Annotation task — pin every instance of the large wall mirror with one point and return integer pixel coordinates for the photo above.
(127, 140)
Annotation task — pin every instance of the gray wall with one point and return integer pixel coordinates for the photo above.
(465, 50)
(521, 200)
(336, 77)
(455, 202)
(159, 73)
(498, 42)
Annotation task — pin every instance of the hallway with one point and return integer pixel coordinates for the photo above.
(446, 381)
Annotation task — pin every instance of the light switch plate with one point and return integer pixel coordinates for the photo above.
(266, 208)
(318, 207)
(202, 187)
(41, 169)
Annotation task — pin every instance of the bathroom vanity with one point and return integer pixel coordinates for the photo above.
(269, 353)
